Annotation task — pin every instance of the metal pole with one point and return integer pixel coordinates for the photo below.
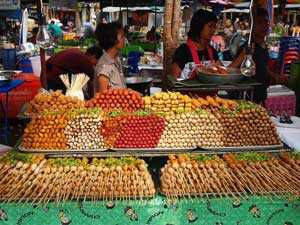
(155, 22)
(42, 50)
(127, 16)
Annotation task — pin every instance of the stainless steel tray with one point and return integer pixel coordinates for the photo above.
(59, 151)
(244, 148)
(154, 149)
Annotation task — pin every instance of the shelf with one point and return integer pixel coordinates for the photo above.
(159, 153)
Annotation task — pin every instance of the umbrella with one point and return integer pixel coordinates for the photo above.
(24, 28)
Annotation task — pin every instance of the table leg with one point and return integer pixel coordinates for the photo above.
(6, 113)
(4, 109)
(244, 94)
(251, 94)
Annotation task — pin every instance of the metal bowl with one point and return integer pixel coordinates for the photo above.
(234, 76)
(138, 80)
(140, 84)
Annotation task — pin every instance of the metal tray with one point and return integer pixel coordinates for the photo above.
(87, 198)
(60, 151)
(154, 149)
(220, 195)
(244, 148)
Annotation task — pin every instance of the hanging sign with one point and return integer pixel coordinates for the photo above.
(69, 4)
(9, 4)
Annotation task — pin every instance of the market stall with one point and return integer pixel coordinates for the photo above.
(168, 158)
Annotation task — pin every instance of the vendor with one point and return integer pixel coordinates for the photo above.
(72, 61)
(260, 55)
(108, 71)
(152, 35)
(197, 48)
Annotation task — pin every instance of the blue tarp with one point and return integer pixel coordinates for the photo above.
(11, 14)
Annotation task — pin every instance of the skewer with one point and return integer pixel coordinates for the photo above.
(284, 177)
(275, 180)
(69, 181)
(90, 184)
(226, 176)
(260, 176)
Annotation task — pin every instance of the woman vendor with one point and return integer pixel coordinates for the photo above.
(197, 48)
(108, 71)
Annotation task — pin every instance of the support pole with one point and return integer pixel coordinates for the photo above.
(43, 77)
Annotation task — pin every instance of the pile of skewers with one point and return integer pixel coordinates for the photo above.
(181, 131)
(35, 179)
(52, 101)
(238, 175)
(83, 130)
(246, 125)
(46, 131)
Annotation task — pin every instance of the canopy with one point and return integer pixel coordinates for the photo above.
(234, 10)
(247, 5)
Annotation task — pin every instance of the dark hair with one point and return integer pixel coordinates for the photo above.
(199, 19)
(260, 12)
(107, 34)
(95, 51)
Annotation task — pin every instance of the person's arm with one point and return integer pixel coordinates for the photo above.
(103, 83)
(178, 61)
(176, 70)
(238, 60)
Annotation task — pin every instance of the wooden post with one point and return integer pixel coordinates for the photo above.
(172, 19)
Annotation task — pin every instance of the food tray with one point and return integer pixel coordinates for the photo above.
(154, 149)
(59, 151)
(245, 148)
(87, 198)
(222, 194)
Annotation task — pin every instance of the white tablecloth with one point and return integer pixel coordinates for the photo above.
(290, 136)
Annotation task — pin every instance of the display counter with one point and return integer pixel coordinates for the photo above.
(209, 177)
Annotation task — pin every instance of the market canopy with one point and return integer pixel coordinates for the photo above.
(234, 10)
(247, 5)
